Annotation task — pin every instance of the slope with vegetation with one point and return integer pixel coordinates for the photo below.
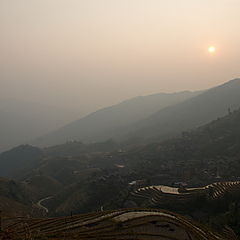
(14, 198)
(120, 224)
(19, 158)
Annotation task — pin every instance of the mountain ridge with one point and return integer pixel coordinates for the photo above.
(194, 112)
(102, 124)
(158, 124)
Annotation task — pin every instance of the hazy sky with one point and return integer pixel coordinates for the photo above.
(91, 53)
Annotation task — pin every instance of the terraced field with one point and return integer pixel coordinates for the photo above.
(163, 194)
(129, 224)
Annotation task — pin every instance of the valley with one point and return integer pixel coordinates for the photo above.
(78, 178)
(119, 120)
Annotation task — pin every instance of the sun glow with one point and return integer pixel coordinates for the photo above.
(211, 49)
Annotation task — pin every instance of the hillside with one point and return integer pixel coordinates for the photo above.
(18, 159)
(105, 123)
(200, 157)
(189, 114)
(14, 198)
(209, 151)
(142, 224)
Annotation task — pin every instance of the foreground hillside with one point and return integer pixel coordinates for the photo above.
(14, 198)
(105, 123)
(141, 224)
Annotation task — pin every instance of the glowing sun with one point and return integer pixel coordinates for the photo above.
(212, 49)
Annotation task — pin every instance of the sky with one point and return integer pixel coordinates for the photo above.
(87, 54)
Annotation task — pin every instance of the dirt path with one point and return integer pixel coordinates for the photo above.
(40, 202)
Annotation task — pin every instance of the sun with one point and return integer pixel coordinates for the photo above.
(211, 49)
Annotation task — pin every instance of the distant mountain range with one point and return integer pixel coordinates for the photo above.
(108, 122)
(150, 118)
(22, 121)
(141, 119)
(199, 110)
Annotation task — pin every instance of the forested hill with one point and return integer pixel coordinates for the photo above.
(14, 198)
(19, 158)
(213, 148)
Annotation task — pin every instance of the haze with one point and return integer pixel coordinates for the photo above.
(86, 54)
